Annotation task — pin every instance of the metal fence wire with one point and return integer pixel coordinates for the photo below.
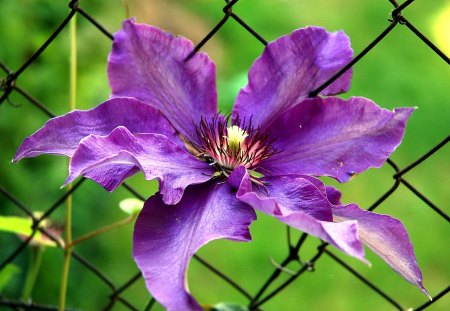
(269, 288)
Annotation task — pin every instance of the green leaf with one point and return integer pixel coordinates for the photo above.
(16, 225)
(7, 273)
(131, 206)
(225, 306)
(23, 226)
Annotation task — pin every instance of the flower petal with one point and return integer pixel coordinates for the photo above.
(150, 65)
(154, 154)
(61, 135)
(166, 237)
(289, 69)
(297, 202)
(387, 237)
(111, 176)
(335, 137)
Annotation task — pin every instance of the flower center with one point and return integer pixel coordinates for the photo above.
(227, 147)
(236, 137)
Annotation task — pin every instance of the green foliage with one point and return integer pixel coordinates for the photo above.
(23, 227)
(401, 71)
(7, 274)
(16, 225)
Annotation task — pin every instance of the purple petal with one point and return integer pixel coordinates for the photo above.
(111, 176)
(289, 69)
(335, 137)
(333, 195)
(61, 135)
(154, 154)
(166, 237)
(297, 202)
(387, 237)
(149, 64)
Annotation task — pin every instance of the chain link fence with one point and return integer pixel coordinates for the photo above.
(18, 201)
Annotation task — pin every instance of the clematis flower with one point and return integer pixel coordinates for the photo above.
(214, 171)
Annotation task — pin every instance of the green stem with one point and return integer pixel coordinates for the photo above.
(104, 229)
(72, 104)
(64, 279)
(35, 266)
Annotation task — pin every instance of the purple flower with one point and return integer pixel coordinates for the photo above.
(213, 172)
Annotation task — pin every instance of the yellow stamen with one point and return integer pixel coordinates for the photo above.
(235, 137)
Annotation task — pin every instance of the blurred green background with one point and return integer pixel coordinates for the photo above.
(400, 71)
